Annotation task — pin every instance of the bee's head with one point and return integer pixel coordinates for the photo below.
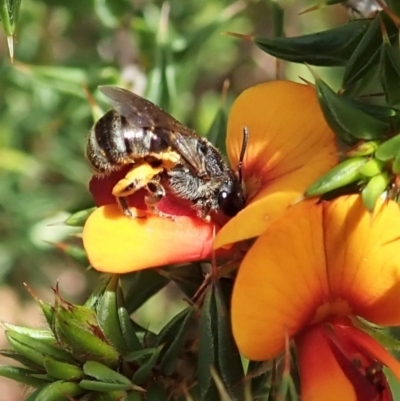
(230, 196)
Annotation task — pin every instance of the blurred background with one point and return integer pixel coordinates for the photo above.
(172, 53)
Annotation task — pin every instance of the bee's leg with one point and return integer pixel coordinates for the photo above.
(203, 208)
(123, 204)
(137, 177)
(155, 193)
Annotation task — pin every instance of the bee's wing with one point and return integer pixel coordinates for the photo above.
(142, 113)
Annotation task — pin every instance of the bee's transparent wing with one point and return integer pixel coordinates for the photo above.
(142, 113)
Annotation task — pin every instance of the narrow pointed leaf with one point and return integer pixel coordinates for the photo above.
(333, 47)
(127, 328)
(62, 370)
(103, 373)
(346, 120)
(389, 149)
(107, 316)
(96, 295)
(278, 15)
(390, 73)
(188, 278)
(39, 334)
(141, 355)
(145, 371)
(140, 286)
(36, 350)
(22, 375)
(396, 165)
(374, 189)
(172, 337)
(339, 176)
(112, 396)
(366, 54)
(7, 15)
(59, 391)
(217, 131)
(27, 363)
(208, 343)
(229, 360)
(78, 219)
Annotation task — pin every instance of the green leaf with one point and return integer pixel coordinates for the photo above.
(9, 12)
(348, 121)
(208, 343)
(339, 176)
(127, 327)
(58, 391)
(22, 375)
(62, 370)
(96, 295)
(374, 189)
(278, 15)
(390, 72)
(188, 278)
(107, 316)
(366, 54)
(217, 132)
(229, 360)
(333, 47)
(139, 355)
(76, 329)
(172, 337)
(161, 89)
(78, 219)
(113, 396)
(396, 165)
(145, 371)
(36, 350)
(389, 149)
(105, 376)
(140, 286)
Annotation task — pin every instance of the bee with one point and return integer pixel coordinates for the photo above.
(163, 157)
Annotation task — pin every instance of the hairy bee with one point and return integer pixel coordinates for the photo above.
(163, 156)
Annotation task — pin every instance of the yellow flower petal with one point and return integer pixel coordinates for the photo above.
(317, 260)
(363, 254)
(117, 244)
(280, 283)
(290, 145)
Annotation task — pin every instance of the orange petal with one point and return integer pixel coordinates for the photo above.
(370, 347)
(320, 374)
(290, 145)
(364, 258)
(118, 244)
(271, 202)
(331, 259)
(280, 283)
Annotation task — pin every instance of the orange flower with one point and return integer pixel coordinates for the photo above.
(308, 277)
(290, 146)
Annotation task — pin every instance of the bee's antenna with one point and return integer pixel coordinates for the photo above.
(243, 151)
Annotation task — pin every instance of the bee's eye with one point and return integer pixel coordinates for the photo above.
(230, 201)
(202, 147)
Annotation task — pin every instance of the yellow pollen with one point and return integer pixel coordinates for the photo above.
(332, 308)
